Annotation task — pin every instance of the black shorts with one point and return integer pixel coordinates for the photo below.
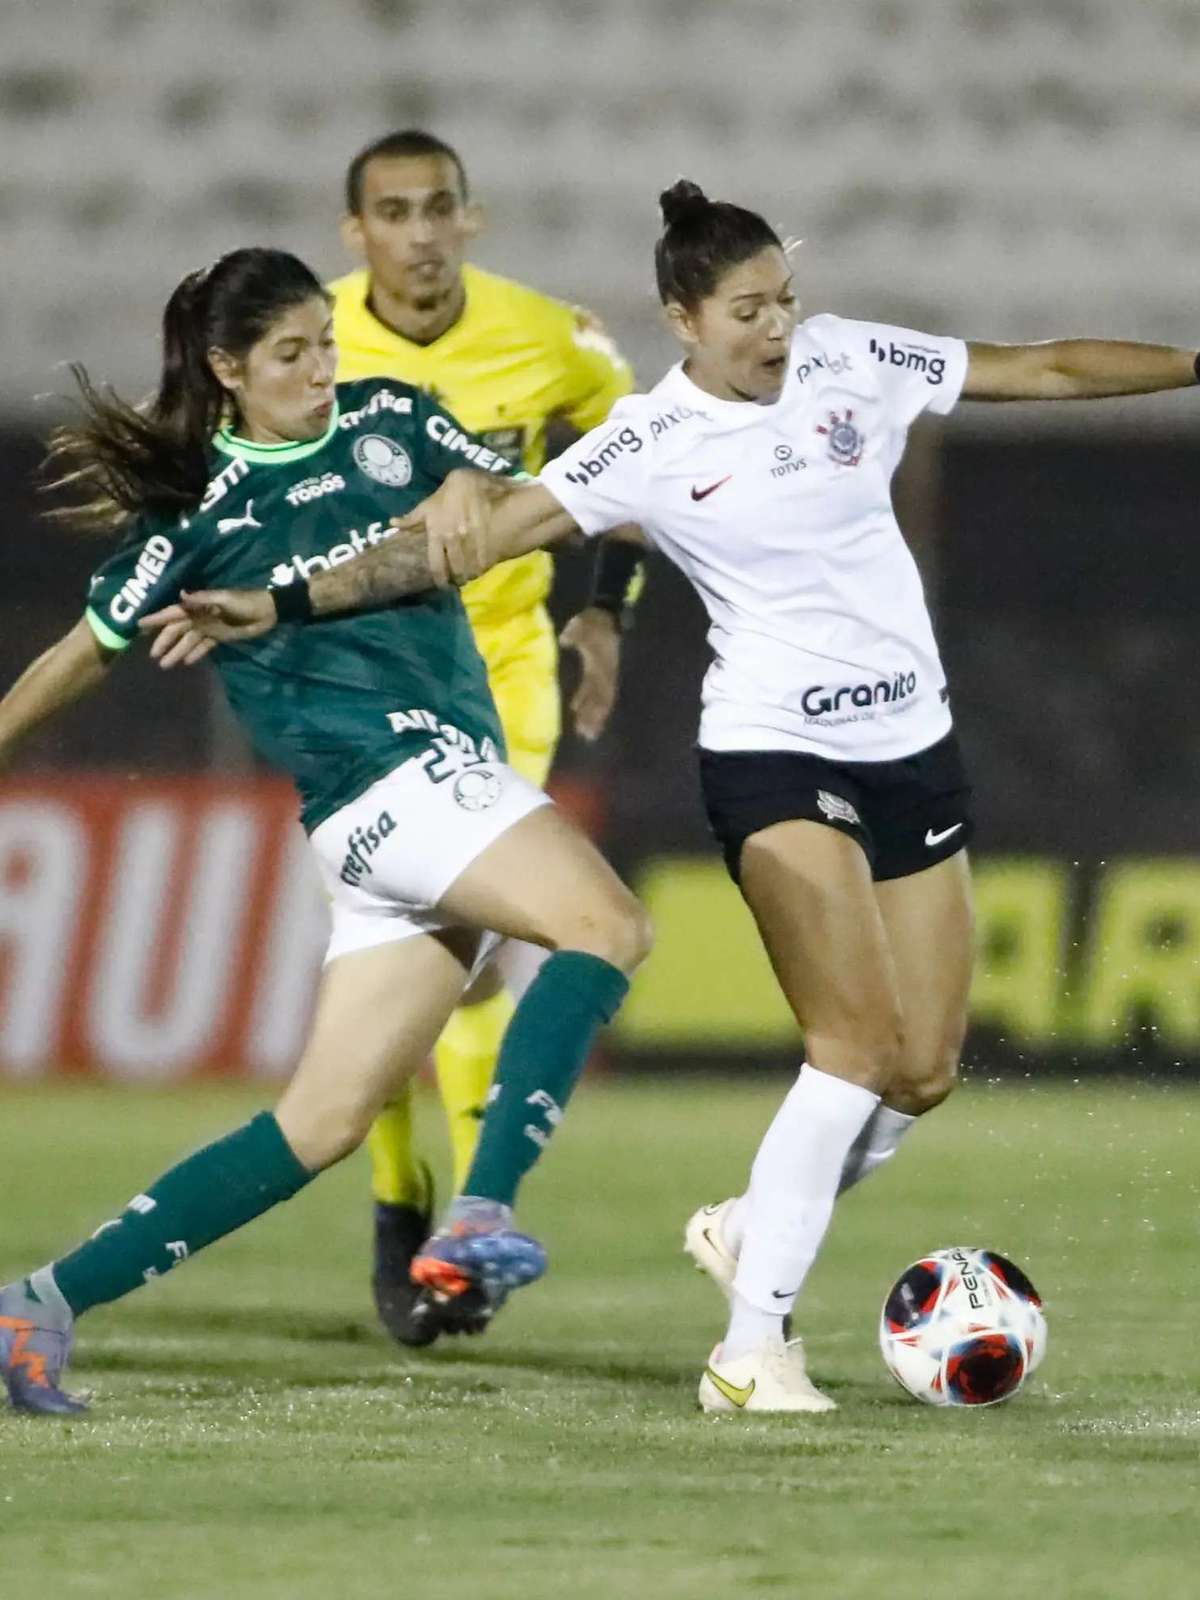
(907, 814)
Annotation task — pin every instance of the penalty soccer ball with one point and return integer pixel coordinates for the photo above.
(962, 1327)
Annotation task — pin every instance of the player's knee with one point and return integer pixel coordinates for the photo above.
(617, 929)
(326, 1132)
(925, 1080)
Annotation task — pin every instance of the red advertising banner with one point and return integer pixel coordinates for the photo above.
(155, 929)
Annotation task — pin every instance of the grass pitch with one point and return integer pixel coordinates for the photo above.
(255, 1437)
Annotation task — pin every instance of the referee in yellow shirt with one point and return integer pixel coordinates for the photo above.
(506, 361)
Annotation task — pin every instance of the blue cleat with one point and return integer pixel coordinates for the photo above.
(35, 1345)
(469, 1268)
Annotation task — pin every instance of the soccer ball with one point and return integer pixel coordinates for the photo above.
(962, 1327)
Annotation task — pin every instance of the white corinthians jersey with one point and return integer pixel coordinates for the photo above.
(781, 516)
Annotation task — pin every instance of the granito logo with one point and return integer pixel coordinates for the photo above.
(911, 358)
(151, 564)
(834, 365)
(313, 488)
(362, 845)
(612, 446)
(820, 700)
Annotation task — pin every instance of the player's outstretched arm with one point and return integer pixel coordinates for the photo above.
(66, 672)
(468, 525)
(1075, 369)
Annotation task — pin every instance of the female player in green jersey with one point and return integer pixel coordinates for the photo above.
(251, 465)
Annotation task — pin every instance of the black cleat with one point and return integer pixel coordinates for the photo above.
(400, 1231)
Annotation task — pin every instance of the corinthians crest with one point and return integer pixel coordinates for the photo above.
(845, 439)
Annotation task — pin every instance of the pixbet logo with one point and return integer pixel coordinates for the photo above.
(820, 700)
(920, 358)
(286, 572)
(834, 365)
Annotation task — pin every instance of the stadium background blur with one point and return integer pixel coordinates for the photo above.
(1000, 169)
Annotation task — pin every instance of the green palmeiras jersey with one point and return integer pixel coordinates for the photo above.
(338, 702)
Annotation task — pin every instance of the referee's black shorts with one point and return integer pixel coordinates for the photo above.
(907, 815)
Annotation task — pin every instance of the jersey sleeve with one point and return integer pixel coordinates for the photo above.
(446, 445)
(144, 574)
(596, 373)
(916, 371)
(602, 479)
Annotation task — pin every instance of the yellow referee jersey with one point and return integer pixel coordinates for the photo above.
(514, 361)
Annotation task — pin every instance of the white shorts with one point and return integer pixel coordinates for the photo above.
(388, 857)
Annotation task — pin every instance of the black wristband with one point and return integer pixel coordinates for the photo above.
(293, 603)
(615, 574)
(1196, 366)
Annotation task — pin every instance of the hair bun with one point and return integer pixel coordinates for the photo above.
(682, 200)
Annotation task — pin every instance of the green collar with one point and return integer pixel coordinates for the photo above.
(274, 454)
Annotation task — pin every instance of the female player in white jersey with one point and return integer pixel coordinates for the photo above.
(761, 465)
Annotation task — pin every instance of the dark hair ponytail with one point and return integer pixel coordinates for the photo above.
(701, 240)
(121, 460)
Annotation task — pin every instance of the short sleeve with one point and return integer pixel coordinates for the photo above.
(446, 445)
(597, 374)
(916, 371)
(602, 478)
(146, 573)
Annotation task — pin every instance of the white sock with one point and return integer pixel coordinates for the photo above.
(749, 1328)
(793, 1184)
(878, 1142)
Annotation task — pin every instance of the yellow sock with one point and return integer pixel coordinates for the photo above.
(466, 1061)
(396, 1175)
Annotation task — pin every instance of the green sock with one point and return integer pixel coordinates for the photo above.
(204, 1197)
(543, 1053)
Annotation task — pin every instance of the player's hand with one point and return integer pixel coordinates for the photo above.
(455, 520)
(212, 616)
(596, 635)
(177, 642)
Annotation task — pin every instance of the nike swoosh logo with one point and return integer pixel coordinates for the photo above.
(784, 1294)
(703, 494)
(932, 838)
(735, 1395)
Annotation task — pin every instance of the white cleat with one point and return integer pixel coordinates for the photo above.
(704, 1241)
(771, 1378)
